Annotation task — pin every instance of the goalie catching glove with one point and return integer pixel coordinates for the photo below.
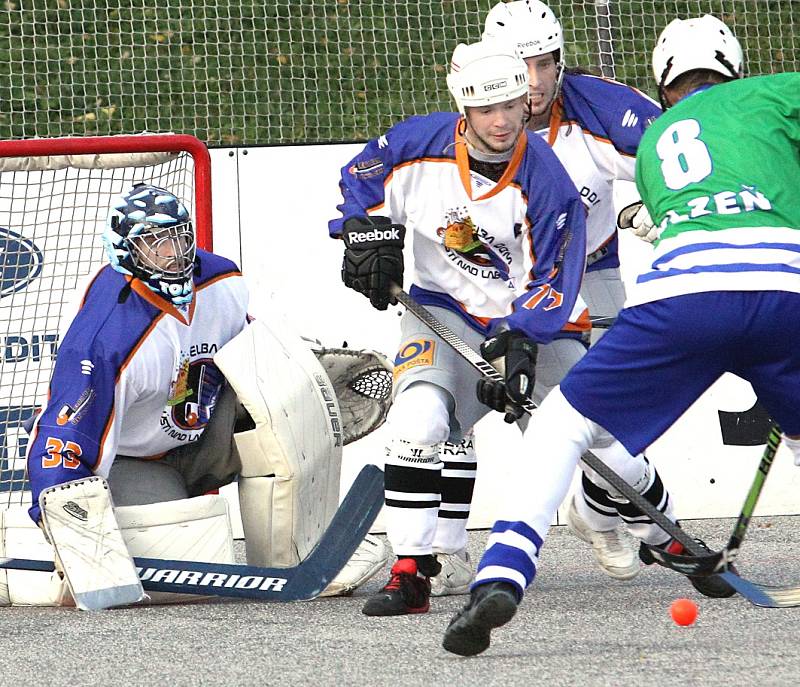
(514, 355)
(373, 257)
(636, 218)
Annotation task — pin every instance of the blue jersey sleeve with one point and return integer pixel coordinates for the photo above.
(558, 243)
(610, 110)
(71, 427)
(364, 179)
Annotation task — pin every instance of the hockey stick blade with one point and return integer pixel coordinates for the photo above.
(720, 561)
(756, 594)
(347, 529)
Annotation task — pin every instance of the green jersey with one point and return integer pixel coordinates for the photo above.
(720, 174)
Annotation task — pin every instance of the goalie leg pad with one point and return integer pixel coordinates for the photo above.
(267, 507)
(294, 453)
(79, 520)
(21, 538)
(197, 529)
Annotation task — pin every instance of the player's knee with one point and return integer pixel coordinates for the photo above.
(558, 414)
(420, 414)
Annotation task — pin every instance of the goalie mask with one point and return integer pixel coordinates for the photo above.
(486, 73)
(689, 44)
(532, 27)
(149, 235)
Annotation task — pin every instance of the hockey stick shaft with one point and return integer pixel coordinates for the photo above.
(487, 370)
(602, 321)
(347, 529)
(768, 457)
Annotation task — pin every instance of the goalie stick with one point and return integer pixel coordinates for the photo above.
(760, 595)
(602, 321)
(347, 529)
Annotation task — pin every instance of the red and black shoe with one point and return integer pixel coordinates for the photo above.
(712, 586)
(408, 589)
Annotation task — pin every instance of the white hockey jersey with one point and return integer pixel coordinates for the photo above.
(135, 378)
(511, 250)
(595, 129)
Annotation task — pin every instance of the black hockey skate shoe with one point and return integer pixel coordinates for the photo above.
(712, 586)
(408, 589)
(490, 605)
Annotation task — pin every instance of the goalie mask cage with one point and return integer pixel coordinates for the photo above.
(55, 196)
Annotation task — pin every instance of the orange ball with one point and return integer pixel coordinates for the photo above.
(683, 611)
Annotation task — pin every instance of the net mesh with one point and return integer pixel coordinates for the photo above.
(50, 226)
(250, 72)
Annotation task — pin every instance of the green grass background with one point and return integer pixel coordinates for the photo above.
(269, 72)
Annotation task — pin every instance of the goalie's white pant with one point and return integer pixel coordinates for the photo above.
(557, 435)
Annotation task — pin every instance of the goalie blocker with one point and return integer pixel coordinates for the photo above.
(291, 456)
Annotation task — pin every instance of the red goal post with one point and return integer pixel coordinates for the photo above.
(105, 152)
(55, 194)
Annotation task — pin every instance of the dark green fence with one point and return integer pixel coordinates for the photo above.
(246, 72)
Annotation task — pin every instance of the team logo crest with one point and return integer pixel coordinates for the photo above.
(194, 393)
(472, 249)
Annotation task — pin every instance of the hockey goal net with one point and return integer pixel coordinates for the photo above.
(55, 194)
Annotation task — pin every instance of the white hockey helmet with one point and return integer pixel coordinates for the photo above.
(529, 24)
(485, 73)
(702, 43)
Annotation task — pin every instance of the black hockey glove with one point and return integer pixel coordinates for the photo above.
(373, 257)
(514, 355)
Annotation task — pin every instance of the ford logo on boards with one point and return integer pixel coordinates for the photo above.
(20, 262)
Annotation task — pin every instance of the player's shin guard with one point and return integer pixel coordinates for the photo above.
(412, 477)
(596, 505)
(450, 543)
(413, 493)
(459, 465)
(642, 475)
(653, 489)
